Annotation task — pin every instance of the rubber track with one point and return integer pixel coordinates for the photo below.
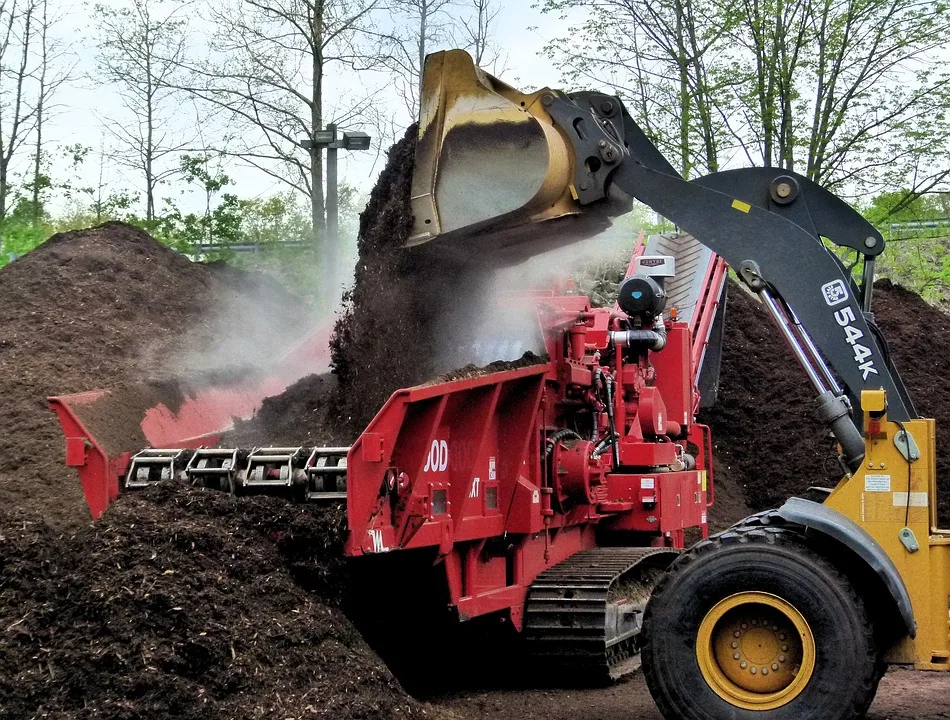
(566, 611)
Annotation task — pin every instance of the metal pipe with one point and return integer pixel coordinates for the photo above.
(812, 350)
(867, 283)
(778, 317)
(332, 247)
(654, 339)
(833, 410)
(610, 421)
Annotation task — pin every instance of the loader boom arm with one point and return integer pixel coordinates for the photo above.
(768, 224)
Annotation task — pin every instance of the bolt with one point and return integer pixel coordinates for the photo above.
(782, 658)
(602, 144)
(547, 99)
(765, 671)
(607, 107)
(784, 648)
(737, 634)
(870, 242)
(735, 656)
(743, 664)
(775, 628)
(753, 670)
(774, 666)
(783, 190)
(754, 623)
(734, 644)
(744, 626)
(583, 186)
(782, 636)
(882, 466)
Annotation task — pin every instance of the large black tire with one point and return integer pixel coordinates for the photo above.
(759, 560)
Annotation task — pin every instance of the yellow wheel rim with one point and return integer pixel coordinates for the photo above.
(756, 651)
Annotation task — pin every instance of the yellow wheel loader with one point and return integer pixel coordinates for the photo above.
(796, 612)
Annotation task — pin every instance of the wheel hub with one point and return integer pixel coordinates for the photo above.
(756, 651)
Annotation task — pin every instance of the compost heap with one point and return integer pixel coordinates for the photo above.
(766, 436)
(410, 312)
(178, 602)
(101, 308)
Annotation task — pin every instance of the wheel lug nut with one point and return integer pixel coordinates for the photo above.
(734, 644)
(775, 666)
(744, 626)
(754, 670)
(743, 665)
(782, 636)
(784, 648)
(775, 629)
(735, 656)
(781, 658)
(765, 671)
(754, 623)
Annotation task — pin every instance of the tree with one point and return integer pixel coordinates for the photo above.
(418, 27)
(50, 76)
(660, 57)
(266, 67)
(140, 47)
(18, 99)
(851, 93)
(477, 33)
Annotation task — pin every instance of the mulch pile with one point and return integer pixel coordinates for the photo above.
(185, 603)
(178, 602)
(766, 437)
(105, 308)
(410, 313)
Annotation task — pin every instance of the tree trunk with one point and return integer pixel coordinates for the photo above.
(37, 161)
(149, 149)
(317, 212)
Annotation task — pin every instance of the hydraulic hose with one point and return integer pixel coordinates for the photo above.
(615, 449)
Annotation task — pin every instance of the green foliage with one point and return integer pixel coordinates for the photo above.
(918, 241)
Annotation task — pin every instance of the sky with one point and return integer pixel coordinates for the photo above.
(83, 106)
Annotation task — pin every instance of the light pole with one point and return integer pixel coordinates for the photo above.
(348, 140)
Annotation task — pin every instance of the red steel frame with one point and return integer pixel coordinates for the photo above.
(468, 469)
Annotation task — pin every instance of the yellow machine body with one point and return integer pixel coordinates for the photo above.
(876, 498)
(490, 165)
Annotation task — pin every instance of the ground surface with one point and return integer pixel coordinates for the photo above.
(903, 695)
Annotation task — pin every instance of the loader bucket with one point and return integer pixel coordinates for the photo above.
(490, 166)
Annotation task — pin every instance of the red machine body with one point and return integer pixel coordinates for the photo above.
(506, 474)
(498, 477)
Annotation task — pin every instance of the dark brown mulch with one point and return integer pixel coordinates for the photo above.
(185, 603)
(766, 436)
(304, 414)
(108, 306)
(409, 314)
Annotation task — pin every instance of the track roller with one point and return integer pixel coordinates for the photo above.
(583, 616)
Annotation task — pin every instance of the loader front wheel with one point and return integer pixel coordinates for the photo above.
(755, 625)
